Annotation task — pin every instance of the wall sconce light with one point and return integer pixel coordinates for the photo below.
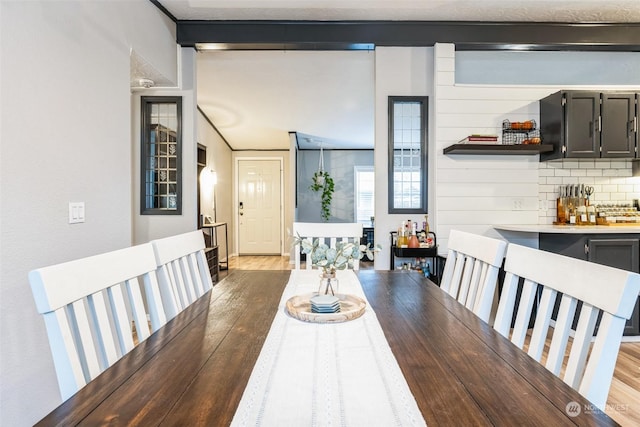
(208, 181)
(208, 178)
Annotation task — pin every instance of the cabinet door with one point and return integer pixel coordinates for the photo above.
(618, 134)
(582, 130)
(620, 253)
(552, 125)
(623, 254)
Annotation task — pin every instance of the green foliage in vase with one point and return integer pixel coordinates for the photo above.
(338, 258)
(322, 181)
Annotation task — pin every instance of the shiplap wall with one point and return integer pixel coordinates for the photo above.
(474, 192)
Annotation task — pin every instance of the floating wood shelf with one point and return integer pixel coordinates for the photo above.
(511, 149)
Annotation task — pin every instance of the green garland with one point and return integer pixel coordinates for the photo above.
(327, 191)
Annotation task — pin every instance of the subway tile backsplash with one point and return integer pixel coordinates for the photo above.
(610, 178)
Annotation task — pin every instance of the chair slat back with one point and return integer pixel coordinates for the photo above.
(94, 311)
(327, 233)
(543, 277)
(471, 270)
(183, 273)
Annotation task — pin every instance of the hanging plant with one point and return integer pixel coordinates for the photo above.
(322, 181)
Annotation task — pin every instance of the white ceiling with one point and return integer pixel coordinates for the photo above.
(254, 98)
(419, 10)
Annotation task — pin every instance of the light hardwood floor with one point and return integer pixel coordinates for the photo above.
(624, 397)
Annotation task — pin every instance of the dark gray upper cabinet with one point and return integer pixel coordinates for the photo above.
(582, 113)
(618, 135)
(589, 124)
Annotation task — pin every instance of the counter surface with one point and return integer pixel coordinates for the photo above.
(566, 229)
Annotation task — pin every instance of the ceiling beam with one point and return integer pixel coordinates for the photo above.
(346, 35)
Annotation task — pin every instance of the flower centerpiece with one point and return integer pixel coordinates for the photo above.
(329, 259)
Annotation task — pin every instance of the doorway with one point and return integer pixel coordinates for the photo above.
(259, 206)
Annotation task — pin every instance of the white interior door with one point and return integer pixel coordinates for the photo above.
(259, 205)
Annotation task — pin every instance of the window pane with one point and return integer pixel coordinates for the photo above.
(407, 154)
(160, 156)
(364, 202)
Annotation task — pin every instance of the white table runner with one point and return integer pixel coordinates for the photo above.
(311, 374)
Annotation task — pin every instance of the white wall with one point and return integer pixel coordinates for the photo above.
(399, 72)
(218, 159)
(473, 191)
(65, 136)
(149, 227)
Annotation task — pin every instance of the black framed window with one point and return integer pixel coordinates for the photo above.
(161, 155)
(408, 154)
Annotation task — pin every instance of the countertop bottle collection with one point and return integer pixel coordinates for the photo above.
(575, 208)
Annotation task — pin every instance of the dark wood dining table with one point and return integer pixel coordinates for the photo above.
(193, 371)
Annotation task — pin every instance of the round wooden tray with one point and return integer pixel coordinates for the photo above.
(351, 307)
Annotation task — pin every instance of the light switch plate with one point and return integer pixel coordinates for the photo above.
(76, 212)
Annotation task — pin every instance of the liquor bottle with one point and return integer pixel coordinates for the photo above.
(561, 207)
(402, 241)
(413, 238)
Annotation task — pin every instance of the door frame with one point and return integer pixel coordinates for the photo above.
(236, 233)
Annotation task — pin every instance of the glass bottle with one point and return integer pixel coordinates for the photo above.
(572, 214)
(413, 238)
(582, 218)
(561, 211)
(426, 271)
(592, 214)
(402, 241)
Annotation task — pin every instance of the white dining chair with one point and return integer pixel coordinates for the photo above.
(94, 311)
(182, 270)
(542, 276)
(471, 270)
(327, 233)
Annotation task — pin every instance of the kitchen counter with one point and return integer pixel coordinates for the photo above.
(613, 245)
(566, 229)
